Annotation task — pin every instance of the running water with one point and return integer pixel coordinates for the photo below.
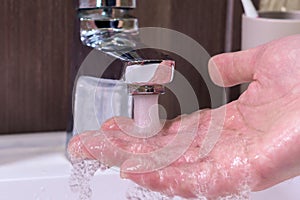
(146, 115)
(139, 193)
(146, 118)
(81, 175)
(242, 195)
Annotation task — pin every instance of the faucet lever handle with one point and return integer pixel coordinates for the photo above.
(149, 77)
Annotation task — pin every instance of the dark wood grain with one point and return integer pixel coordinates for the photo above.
(203, 21)
(35, 38)
(41, 51)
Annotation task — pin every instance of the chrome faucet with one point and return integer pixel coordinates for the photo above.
(108, 26)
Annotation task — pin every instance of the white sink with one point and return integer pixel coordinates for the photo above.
(34, 166)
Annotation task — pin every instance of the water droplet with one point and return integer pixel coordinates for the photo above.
(139, 193)
(82, 173)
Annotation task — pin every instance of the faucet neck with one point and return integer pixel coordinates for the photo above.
(109, 29)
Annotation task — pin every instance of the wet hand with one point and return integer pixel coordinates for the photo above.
(253, 141)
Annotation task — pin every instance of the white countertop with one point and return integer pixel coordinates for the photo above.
(34, 166)
(37, 155)
(27, 156)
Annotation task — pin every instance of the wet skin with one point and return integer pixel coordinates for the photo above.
(255, 141)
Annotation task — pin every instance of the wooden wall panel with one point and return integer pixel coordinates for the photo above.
(202, 20)
(40, 52)
(35, 38)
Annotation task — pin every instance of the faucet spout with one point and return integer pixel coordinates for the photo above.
(107, 25)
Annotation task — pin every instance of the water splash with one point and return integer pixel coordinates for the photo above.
(140, 193)
(84, 170)
(82, 173)
(242, 195)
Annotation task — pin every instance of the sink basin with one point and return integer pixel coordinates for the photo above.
(34, 166)
(57, 187)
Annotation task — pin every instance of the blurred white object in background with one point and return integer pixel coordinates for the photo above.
(270, 25)
(279, 5)
(250, 10)
(97, 100)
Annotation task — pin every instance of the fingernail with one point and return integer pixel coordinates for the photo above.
(214, 72)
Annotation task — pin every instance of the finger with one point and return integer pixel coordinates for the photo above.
(112, 147)
(80, 145)
(109, 147)
(95, 145)
(110, 124)
(117, 123)
(76, 149)
(164, 72)
(230, 69)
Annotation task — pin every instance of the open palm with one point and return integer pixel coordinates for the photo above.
(252, 142)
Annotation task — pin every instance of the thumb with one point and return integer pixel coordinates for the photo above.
(230, 69)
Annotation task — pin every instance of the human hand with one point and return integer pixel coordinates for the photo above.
(257, 140)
